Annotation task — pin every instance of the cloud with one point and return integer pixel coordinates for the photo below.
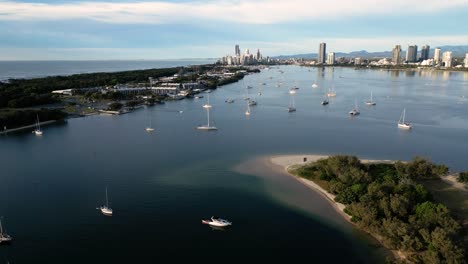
(233, 11)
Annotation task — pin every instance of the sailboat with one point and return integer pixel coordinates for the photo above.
(314, 85)
(355, 110)
(207, 127)
(150, 127)
(370, 102)
(325, 101)
(4, 237)
(292, 104)
(331, 92)
(105, 209)
(247, 112)
(37, 131)
(401, 123)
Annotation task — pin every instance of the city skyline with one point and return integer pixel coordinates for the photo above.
(53, 29)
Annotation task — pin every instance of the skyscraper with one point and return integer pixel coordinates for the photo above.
(425, 52)
(447, 59)
(465, 61)
(322, 53)
(258, 55)
(237, 50)
(411, 53)
(437, 55)
(396, 55)
(331, 58)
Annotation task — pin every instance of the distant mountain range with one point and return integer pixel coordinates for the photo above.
(457, 51)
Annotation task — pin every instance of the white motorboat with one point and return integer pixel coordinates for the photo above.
(216, 221)
(4, 237)
(314, 85)
(105, 209)
(402, 123)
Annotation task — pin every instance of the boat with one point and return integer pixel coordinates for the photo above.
(314, 85)
(247, 112)
(325, 101)
(355, 110)
(198, 96)
(294, 88)
(370, 102)
(331, 93)
(292, 104)
(4, 237)
(401, 123)
(208, 127)
(105, 209)
(150, 127)
(249, 87)
(229, 100)
(37, 131)
(252, 102)
(216, 221)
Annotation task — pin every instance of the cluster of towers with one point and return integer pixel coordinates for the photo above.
(445, 59)
(246, 58)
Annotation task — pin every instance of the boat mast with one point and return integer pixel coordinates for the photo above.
(107, 201)
(404, 113)
(38, 125)
(1, 227)
(371, 96)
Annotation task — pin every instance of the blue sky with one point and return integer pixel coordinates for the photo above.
(59, 29)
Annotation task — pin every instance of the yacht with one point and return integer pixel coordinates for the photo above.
(4, 237)
(355, 110)
(314, 85)
(150, 127)
(325, 101)
(216, 221)
(292, 103)
(37, 131)
(198, 96)
(105, 209)
(247, 112)
(252, 102)
(401, 123)
(208, 127)
(229, 100)
(370, 102)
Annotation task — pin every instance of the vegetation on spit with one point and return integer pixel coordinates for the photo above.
(387, 201)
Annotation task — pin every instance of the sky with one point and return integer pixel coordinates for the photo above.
(164, 29)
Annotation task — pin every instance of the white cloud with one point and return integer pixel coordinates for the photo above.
(238, 11)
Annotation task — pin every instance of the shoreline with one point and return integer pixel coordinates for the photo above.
(288, 161)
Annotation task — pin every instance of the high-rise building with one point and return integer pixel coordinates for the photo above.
(436, 56)
(237, 50)
(357, 61)
(425, 52)
(322, 53)
(411, 53)
(396, 55)
(447, 59)
(331, 58)
(465, 61)
(258, 56)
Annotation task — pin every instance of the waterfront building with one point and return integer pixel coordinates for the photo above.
(331, 58)
(437, 56)
(357, 61)
(447, 59)
(411, 53)
(425, 52)
(396, 55)
(465, 61)
(322, 53)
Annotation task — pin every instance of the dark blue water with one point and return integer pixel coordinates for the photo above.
(162, 184)
(36, 69)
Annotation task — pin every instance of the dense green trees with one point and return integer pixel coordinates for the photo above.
(463, 176)
(386, 200)
(12, 118)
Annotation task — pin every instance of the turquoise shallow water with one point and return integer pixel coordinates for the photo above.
(162, 184)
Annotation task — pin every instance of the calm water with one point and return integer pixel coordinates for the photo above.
(162, 184)
(35, 69)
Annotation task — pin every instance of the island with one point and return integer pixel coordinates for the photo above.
(390, 201)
